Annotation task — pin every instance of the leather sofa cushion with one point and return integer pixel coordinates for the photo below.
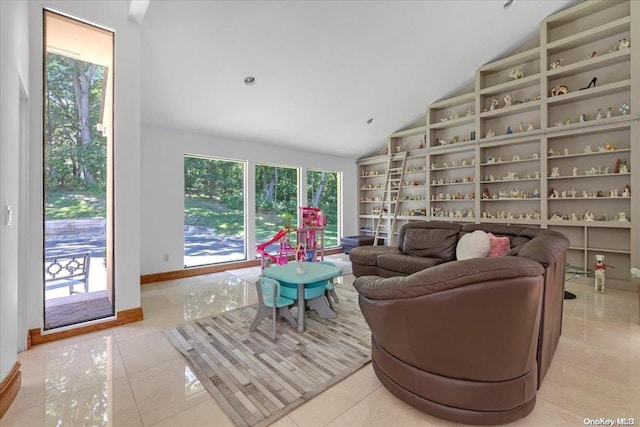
(407, 264)
(368, 255)
(430, 242)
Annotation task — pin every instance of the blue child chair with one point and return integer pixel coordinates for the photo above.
(270, 300)
(330, 292)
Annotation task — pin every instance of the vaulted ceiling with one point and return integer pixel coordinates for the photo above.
(321, 68)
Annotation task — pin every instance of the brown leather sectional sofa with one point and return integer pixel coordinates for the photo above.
(469, 341)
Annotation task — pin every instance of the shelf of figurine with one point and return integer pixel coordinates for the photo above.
(517, 80)
(413, 184)
(436, 182)
(515, 194)
(454, 119)
(414, 170)
(591, 33)
(607, 148)
(374, 173)
(376, 199)
(520, 130)
(496, 108)
(464, 163)
(516, 158)
(372, 187)
(613, 193)
(590, 62)
(408, 213)
(453, 197)
(454, 140)
(457, 214)
(561, 94)
(511, 176)
(620, 168)
(413, 198)
(410, 145)
(502, 216)
(590, 216)
(599, 116)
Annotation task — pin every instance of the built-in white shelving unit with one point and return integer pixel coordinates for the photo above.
(514, 151)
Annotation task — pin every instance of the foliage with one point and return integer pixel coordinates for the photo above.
(276, 190)
(75, 151)
(322, 192)
(218, 180)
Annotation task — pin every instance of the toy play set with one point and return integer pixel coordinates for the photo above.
(309, 239)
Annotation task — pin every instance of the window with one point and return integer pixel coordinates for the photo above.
(77, 172)
(323, 192)
(214, 213)
(276, 200)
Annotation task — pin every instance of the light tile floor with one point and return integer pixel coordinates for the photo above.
(132, 376)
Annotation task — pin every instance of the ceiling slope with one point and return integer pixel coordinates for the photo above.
(322, 68)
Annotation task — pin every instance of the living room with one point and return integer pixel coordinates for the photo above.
(149, 193)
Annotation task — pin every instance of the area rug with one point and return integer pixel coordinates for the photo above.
(256, 380)
(250, 274)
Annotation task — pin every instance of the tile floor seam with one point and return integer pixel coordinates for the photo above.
(135, 401)
(549, 402)
(352, 406)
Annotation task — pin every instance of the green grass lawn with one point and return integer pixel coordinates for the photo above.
(66, 205)
(198, 212)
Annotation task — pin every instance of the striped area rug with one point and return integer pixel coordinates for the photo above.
(256, 380)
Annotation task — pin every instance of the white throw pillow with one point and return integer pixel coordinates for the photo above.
(473, 245)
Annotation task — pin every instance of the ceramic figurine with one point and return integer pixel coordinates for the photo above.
(583, 118)
(624, 109)
(609, 113)
(589, 216)
(566, 151)
(517, 73)
(555, 172)
(490, 133)
(556, 64)
(520, 127)
(507, 101)
(530, 127)
(559, 90)
(495, 104)
(627, 191)
(509, 131)
(599, 115)
(575, 171)
(624, 43)
(600, 273)
(587, 149)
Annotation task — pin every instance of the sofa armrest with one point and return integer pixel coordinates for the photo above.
(447, 276)
(544, 249)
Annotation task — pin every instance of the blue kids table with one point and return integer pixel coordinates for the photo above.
(313, 272)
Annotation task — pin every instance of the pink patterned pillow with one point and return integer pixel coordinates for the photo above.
(499, 245)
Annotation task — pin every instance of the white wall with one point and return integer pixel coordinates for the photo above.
(14, 66)
(111, 15)
(162, 187)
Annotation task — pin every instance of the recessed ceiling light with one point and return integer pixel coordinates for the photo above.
(249, 80)
(371, 120)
